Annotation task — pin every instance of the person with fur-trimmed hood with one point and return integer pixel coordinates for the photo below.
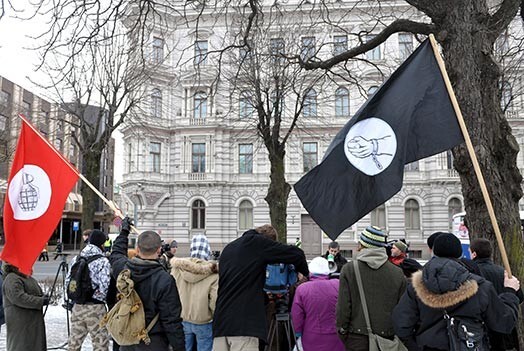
(446, 286)
(197, 283)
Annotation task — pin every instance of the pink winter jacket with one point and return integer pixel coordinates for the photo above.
(313, 314)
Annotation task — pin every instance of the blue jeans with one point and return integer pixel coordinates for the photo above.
(203, 334)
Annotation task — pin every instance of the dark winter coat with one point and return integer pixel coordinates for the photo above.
(446, 285)
(23, 302)
(340, 260)
(495, 274)
(383, 283)
(2, 318)
(157, 290)
(240, 307)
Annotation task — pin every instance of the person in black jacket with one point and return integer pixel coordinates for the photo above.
(446, 286)
(155, 286)
(334, 249)
(481, 251)
(240, 317)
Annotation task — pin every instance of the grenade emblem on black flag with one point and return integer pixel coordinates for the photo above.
(29, 193)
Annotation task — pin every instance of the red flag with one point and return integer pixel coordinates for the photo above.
(39, 183)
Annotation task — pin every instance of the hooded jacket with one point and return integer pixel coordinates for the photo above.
(445, 285)
(157, 290)
(383, 284)
(197, 283)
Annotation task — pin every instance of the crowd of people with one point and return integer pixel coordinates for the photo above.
(197, 303)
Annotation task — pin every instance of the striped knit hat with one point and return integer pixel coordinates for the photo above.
(372, 237)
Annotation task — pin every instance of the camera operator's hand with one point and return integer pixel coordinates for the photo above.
(512, 282)
(126, 226)
(46, 300)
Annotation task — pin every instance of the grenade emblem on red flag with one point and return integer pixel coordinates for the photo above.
(29, 193)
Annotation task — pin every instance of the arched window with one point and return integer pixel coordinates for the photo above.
(412, 215)
(245, 104)
(341, 102)
(310, 103)
(156, 103)
(378, 216)
(200, 104)
(372, 90)
(198, 215)
(245, 215)
(454, 207)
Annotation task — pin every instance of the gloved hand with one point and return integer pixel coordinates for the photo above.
(46, 300)
(126, 225)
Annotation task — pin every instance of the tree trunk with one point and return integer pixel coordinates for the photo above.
(91, 170)
(278, 194)
(468, 53)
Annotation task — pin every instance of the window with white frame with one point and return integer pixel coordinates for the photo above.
(375, 53)
(4, 98)
(158, 50)
(200, 52)
(277, 48)
(198, 215)
(245, 158)
(309, 109)
(413, 166)
(156, 103)
(198, 158)
(245, 104)
(342, 102)
(454, 207)
(59, 144)
(278, 101)
(506, 95)
(405, 45)
(372, 90)
(26, 109)
(378, 216)
(340, 44)
(129, 157)
(307, 51)
(245, 215)
(449, 159)
(154, 156)
(412, 215)
(309, 155)
(200, 105)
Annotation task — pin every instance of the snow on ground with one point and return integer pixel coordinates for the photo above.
(56, 330)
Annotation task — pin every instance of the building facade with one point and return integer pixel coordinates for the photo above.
(193, 162)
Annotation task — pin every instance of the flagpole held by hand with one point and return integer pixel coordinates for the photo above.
(472, 154)
(109, 203)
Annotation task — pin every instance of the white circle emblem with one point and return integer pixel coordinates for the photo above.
(29, 193)
(370, 145)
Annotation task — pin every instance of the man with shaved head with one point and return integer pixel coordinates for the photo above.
(155, 286)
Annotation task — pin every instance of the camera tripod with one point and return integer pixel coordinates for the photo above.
(61, 271)
(281, 320)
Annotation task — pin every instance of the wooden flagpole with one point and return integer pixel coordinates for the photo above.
(109, 203)
(472, 154)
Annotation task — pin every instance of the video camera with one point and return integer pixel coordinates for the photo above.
(279, 278)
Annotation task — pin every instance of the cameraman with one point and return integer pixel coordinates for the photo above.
(239, 320)
(168, 252)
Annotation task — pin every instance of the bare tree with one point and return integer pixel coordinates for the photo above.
(96, 93)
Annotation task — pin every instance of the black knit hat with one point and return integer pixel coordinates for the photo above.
(431, 239)
(97, 238)
(447, 245)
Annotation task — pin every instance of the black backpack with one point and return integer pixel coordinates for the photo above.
(80, 290)
(466, 334)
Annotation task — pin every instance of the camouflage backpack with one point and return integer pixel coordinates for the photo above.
(126, 322)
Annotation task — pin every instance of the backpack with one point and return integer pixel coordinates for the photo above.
(466, 334)
(80, 288)
(279, 277)
(126, 322)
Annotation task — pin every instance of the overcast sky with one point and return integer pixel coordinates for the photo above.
(18, 61)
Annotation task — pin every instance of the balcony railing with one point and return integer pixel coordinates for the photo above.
(197, 176)
(197, 121)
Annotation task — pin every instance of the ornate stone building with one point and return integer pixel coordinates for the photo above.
(192, 162)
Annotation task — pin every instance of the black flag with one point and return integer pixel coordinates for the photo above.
(409, 118)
